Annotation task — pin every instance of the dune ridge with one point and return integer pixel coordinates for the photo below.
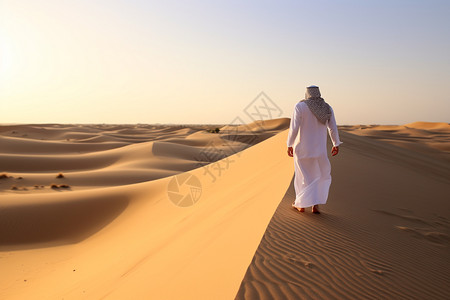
(139, 242)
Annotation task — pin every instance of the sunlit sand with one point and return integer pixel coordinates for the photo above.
(178, 212)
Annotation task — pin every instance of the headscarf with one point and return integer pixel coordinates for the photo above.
(316, 104)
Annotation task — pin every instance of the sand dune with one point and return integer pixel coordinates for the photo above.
(384, 234)
(158, 152)
(122, 240)
(177, 212)
(430, 139)
(429, 125)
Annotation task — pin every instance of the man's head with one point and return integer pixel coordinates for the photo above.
(312, 92)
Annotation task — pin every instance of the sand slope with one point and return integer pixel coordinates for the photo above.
(384, 234)
(131, 241)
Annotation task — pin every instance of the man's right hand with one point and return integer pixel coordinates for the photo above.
(334, 151)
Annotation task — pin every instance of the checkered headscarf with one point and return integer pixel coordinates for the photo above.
(316, 104)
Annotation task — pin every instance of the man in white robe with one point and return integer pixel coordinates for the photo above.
(307, 143)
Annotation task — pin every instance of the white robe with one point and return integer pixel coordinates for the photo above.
(308, 137)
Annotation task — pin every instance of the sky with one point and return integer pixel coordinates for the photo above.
(197, 62)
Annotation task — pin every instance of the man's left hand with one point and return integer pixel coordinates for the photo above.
(290, 151)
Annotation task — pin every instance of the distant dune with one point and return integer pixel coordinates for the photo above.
(429, 125)
(179, 212)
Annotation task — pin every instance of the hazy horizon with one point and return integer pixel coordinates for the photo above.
(197, 124)
(205, 62)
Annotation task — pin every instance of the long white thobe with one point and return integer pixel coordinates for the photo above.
(308, 137)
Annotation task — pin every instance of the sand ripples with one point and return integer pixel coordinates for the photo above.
(304, 256)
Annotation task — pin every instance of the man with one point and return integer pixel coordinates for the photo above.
(307, 143)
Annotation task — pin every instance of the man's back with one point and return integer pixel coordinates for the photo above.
(312, 133)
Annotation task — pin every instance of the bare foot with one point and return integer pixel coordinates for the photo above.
(298, 208)
(315, 209)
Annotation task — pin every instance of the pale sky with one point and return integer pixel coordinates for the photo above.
(130, 61)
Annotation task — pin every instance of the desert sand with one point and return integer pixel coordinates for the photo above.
(177, 212)
(120, 230)
(384, 233)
